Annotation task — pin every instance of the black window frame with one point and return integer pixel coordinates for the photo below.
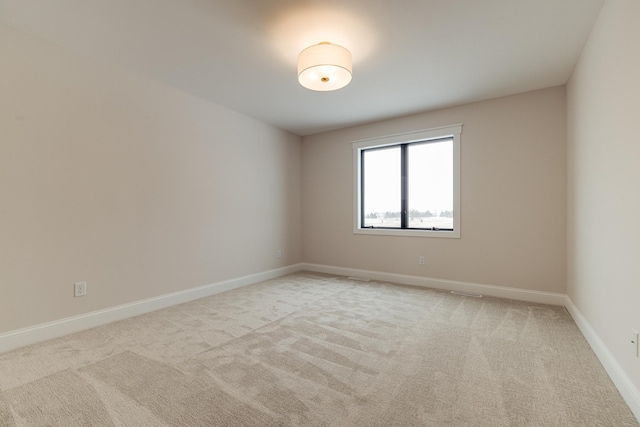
(420, 136)
(404, 183)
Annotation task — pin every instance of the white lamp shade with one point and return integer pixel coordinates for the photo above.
(324, 67)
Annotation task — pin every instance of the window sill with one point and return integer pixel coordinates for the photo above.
(455, 234)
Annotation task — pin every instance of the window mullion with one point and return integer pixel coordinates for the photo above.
(404, 192)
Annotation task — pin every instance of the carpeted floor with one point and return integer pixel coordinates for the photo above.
(314, 350)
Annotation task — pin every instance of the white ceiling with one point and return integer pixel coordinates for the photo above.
(409, 56)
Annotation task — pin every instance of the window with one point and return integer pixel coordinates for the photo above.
(409, 184)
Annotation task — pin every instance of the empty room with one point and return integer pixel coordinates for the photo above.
(304, 213)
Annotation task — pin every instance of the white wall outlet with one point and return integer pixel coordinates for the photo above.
(634, 342)
(80, 289)
(279, 253)
(421, 260)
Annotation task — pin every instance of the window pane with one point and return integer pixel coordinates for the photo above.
(381, 180)
(431, 185)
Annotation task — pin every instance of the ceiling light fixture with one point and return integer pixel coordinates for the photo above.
(324, 67)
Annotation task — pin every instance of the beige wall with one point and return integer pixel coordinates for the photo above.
(513, 189)
(136, 188)
(604, 181)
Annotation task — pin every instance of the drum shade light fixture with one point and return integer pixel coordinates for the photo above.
(324, 67)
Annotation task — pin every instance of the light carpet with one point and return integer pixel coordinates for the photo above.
(318, 350)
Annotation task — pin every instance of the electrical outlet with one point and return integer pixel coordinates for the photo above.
(634, 343)
(279, 253)
(80, 289)
(421, 260)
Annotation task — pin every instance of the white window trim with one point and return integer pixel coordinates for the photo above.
(426, 134)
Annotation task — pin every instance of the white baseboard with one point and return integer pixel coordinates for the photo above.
(57, 328)
(627, 389)
(448, 285)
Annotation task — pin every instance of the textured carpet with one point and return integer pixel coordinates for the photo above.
(315, 350)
